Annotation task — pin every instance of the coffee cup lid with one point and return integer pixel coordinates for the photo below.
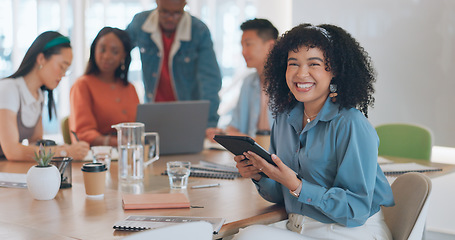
(94, 167)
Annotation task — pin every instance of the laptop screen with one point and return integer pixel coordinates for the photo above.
(181, 125)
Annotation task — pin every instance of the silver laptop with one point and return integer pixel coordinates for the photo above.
(181, 124)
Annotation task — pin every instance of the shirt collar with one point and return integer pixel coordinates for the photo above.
(183, 32)
(26, 95)
(328, 112)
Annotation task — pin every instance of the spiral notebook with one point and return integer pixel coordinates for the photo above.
(211, 174)
(213, 170)
(400, 168)
(139, 223)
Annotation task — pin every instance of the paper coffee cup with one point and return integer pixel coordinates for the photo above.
(94, 178)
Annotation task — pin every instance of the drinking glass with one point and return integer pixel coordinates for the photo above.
(102, 154)
(178, 173)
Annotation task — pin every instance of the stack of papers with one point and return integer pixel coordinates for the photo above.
(138, 223)
(13, 180)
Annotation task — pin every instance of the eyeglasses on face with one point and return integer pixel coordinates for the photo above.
(166, 13)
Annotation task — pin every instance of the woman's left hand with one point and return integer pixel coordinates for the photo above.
(211, 132)
(280, 173)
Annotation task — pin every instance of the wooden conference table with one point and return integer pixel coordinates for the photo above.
(73, 216)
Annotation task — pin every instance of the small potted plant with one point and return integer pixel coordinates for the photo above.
(43, 180)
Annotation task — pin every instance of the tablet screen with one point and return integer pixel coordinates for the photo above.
(240, 144)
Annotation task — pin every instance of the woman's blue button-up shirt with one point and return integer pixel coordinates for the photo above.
(335, 156)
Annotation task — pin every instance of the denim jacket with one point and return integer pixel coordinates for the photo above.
(194, 71)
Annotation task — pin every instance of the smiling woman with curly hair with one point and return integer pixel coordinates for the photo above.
(320, 85)
(346, 59)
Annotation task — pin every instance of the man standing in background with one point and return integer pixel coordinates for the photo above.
(251, 114)
(178, 60)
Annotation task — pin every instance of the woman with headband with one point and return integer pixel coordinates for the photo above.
(21, 98)
(320, 85)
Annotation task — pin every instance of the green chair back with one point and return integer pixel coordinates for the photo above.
(66, 130)
(404, 140)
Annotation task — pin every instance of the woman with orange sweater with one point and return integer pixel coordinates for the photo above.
(103, 96)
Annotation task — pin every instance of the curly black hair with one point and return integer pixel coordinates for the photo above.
(350, 64)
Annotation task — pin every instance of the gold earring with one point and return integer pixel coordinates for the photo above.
(122, 66)
(333, 94)
(40, 66)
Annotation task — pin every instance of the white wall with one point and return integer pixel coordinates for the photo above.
(277, 12)
(412, 45)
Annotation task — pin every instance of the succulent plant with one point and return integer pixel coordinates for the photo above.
(43, 158)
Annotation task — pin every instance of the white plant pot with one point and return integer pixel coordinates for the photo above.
(43, 182)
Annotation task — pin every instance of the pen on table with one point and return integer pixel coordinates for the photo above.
(75, 135)
(206, 186)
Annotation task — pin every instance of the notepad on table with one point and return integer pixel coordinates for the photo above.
(13, 180)
(155, 200)
(139, 223)
(400, 168)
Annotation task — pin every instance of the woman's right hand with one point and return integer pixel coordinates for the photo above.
(246, 169)
(78, 150)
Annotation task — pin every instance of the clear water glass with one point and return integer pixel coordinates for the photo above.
(178, 173)
(102, 154)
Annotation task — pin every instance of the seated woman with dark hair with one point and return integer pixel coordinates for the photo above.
(103, 96)
(320, 85)
(21, 98)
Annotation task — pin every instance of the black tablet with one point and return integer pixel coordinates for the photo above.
(240, 144)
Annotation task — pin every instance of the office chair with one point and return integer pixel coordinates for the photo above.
(406, 220)
(189, 231)
(404, 140)
(65, 130)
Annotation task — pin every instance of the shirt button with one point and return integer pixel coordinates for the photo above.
(154, 75)
(117, 100)
(150, 95)
(112, 87)
(124, 111)
(187, 59)
(142, 50)
(308, 200)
